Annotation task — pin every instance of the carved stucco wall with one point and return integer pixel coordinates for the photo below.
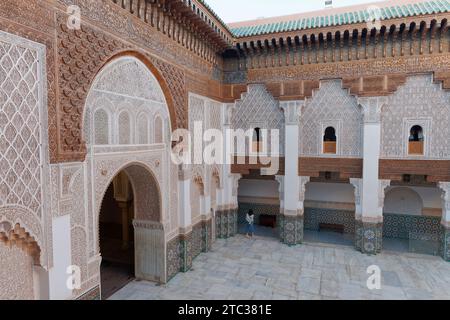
(147, 195)
(208, 113)
(23, 139)
(332, 106)
(79, 188)
(418, 102)
(16, 274)
(259, 109)
(123, 106)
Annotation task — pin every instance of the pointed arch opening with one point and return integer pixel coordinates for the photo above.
(330, 141)
(416, 140)
(131, 236)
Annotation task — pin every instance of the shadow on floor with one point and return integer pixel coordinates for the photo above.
(330, 237)
(260, 231)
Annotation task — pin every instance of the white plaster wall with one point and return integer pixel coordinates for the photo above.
(411, 200)
(330, 192)
(371, 154)
(61, 259)
(291, 181)
(431, 197)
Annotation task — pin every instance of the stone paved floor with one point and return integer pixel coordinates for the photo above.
(265, 269)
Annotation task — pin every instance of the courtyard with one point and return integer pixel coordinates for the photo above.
(264, 269)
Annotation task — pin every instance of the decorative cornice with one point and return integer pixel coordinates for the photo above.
(352, 17)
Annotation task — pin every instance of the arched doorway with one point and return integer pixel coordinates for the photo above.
(127, 122)
(411, 218)
(116, 235)
(261, 194)
(131, 236)
(329, 210)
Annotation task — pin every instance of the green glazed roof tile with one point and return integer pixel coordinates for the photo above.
(392, 12)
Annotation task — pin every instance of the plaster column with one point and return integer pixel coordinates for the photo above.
(280, 180)
(369, 192)
(62, 259)
(445, 222)
(184, 209)
(291, 222)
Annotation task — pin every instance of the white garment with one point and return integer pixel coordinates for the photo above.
(250, 219)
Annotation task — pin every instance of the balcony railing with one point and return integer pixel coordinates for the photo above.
(329, 147)
(415, 148)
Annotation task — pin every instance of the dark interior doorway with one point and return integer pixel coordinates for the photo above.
(116, 244)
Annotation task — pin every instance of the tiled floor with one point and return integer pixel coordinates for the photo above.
(239, 268)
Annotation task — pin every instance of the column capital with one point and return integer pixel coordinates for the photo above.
(292, 111)
(358, 185)
(280, 180)
(445, 187)
(371, 108)
(303, 181)
(382, 185)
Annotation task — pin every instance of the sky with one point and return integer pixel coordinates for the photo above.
(241, 10)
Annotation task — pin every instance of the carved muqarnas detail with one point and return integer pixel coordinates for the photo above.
(19, 237)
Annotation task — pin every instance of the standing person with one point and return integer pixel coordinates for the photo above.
(250, 224)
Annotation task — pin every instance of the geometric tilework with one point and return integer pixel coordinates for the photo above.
(182, 250)
(185, 252)
(291, 229)
(405, 226)
(316, 216)
(368, 237)
(445, 243)
(197, 240)
(226, 223)
(173, 258)
(206, 235)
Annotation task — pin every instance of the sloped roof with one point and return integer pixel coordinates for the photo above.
(340, 16)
